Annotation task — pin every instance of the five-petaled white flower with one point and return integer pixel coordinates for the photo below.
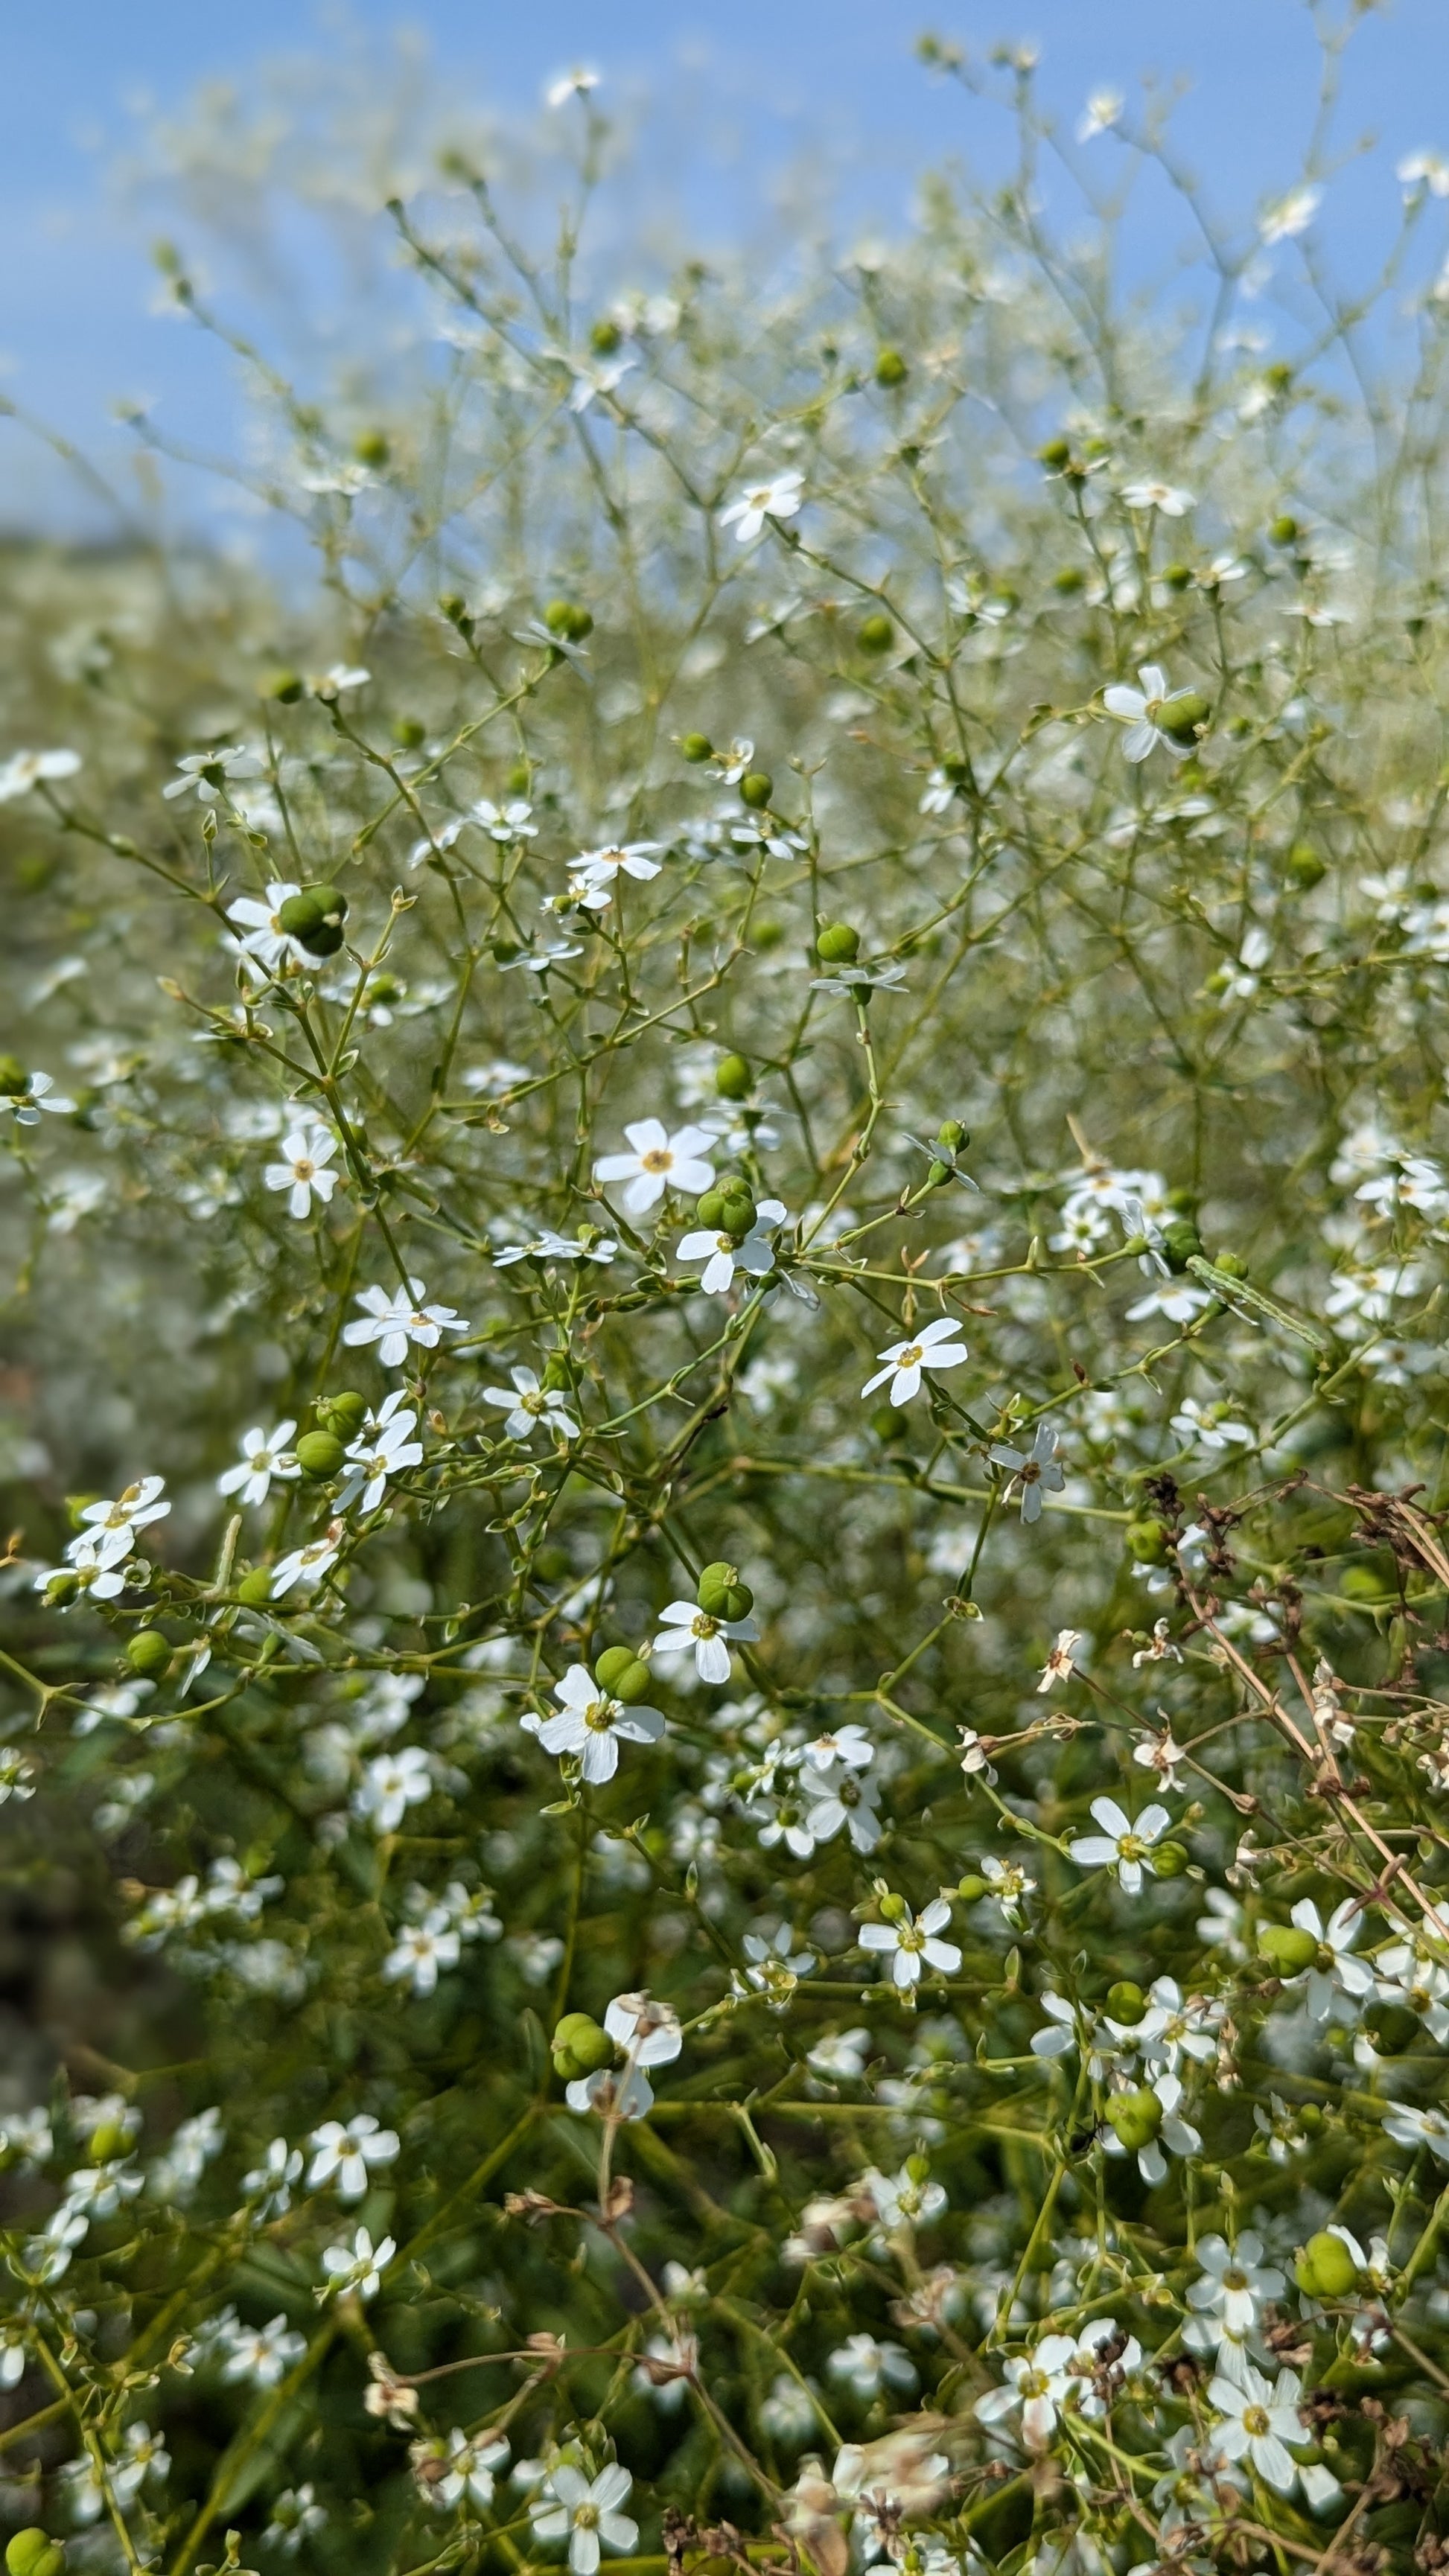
(1166, 497)
(394, 1321)
(357, 2268)
(1038, 2382)
(206, 774)
(1038, 1469)
(1142, 710)
(528, 1405)
(308, 1564)
(595, 873)
(506, 823)
(110, 1527)
(591, 1724)
(933, 1347)
(575, 83)
(658, 1162)
(264, 1456)
(347, 2151)
(777, 499)
(724, 1254)
(35, 1092)
(585, 2512)
(260, 934)
(1261, 2418)
(912, 1941)
(27, 769)
(466, 2475)
(421, 1950)
(1121, 1845)
(308, 1149)
(1234, 2281)
(383, 1447)
(391, 1783)
(687, 1625)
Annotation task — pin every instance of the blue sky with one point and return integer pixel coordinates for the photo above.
(76, 330)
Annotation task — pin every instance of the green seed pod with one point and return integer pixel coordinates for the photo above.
(1147, 1542)
(319, 1454)
(838, 944)
(633, 1683)
(1069, 580)
(255, 1587)
(729, 1601)
(1183, 715)
(605, 337)
(1393, 2028)
(875, 634)
(1056, 453)
(1231, 1264)
(148, 1651)
(1126, 2002)
(892, 1908)
(710, 1210)
(1169, 1860)
(62, 1587)
(733, 1079)
(971, 1889)
(1284, 530)
(890, 368)
(33, 2553)
(740, 1212)
(107, 2140)
(1304, 867)
(454, 607)
(1181, 1243)
(610, 1664)
(1287, 1949)
(563, 617)
(717, 1577)
(519, 779)
(343, 1413)
(580, 2039)
(315, 917)
(372, 447)
(409, 732)
(936, 1173)
(756, 789)
(951, 1135)
(284, 686)
(14, 1080)
(1177, 575)
(696, 747)
(1326, 2269)
(1136, 2117)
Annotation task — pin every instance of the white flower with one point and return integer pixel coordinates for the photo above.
(1103, 108)
(911, 1941)
(1335, 1972)
(1038, 1469)
(1059, 1666)
(26, 769)
(1290, 215)
(1141, 710)
(308, 1564)
(777, 499)
(933, 1347)
(1158, 1753)
(394, 1321)
(262, 936)
(585, 2512)
(421, 1950)
(1419, 170)
(591, 1725)
(506, 823)
(308, 1150)
(110, 1527)
(206, 773)
(1165, 497)
(867, 2366)
(1210, 1429)
(383, 1447)
(724, 1254)
(1411, 2128)
(649, 2031)
(659, 1162)
(530, 1406)
(842, 1795)
(391, 1783)
(264, 1456)
(597, 872)
(687, 1625)
(1121, 1845)
(270, 2182)
(357, 2268)
(1261, 2419)
(348, 2151)
(262, 2353)
(841, 2055)
(1234, 2281)
(26, 1104)
(467, 2475)
(575, 83)
(1038, 2382)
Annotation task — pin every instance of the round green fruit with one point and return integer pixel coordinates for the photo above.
(710, 1210)
(838, 944)
(756, 789)
(605, 337)
(1183, 715)
(255, 1587)
(1126, 2003)
(1326, 2269)
(1056, 453)
(1169, 1860)
(1287, 1948)
(409, 732)
(319, 1454)
(971, 1889)
(345, 1412)
(580, 2041)
(1147, 1542)
(696, 747)
(610, 1664)
(33, 2553)
(148, 1652)
(109, 2140)
(890, 368)
(875, 634)
(1135, 2117)
(564, 618)
(284, 686)
(314, 917)
(373, 447)
(733, 1079)
(14, 1080)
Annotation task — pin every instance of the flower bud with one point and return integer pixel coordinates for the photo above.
(1326, 2269)
(1135, 2117)
(838, 944)
(1126, 2002)
(696, 747)
(285, 686)
(918, 2168)
(580, 2046)
(1287, 1948)
(33, 2553)
(756, 789)
(890, 368)
(563, 617)
(343, 1413)
(319, 1455)
(892, 1908)
(733, 1079)
(875, 634)
(255, 1588)
(1169, 1860)
(148, 1652)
